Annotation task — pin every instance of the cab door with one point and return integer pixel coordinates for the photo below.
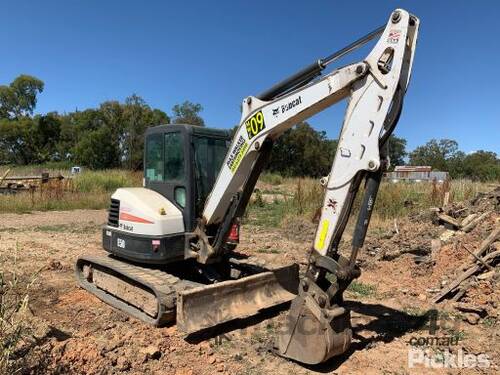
(165, 168)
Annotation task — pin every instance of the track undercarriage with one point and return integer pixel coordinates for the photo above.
(201, 299)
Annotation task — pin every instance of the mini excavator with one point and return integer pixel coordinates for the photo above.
(171, 243)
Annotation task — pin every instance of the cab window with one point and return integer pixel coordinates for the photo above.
(154, 157)
(209, 154)
(174, 157)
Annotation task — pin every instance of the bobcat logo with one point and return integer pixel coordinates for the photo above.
(276, 111)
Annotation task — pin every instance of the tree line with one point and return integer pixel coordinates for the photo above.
(112, 136)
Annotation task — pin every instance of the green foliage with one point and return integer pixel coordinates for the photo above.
(137, 117)
(96, 150)
(480, 165)
(105, 181)
(444, 155)
(19, 98)
(434, 153)
(259, 202)
(307, 197)
(110, 136)
(397, 150)
(188, 113)
(302, 151)
(361, 289)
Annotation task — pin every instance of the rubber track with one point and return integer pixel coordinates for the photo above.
(162, 284)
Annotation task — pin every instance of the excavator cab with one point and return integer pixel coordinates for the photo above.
(181, 162)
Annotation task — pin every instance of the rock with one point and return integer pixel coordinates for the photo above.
(446, 235)
(212, 360)
(122, 364)
(422, 297)
(472, 318)
(54, 265)
(220, 367)
(151, 352)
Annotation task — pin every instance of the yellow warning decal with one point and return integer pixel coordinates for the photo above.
(237, 153)
(320, 244)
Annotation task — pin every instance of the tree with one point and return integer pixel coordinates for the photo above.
(302, 151)
(47, 133)
(481, 165)
(137, 117)
(455, 165)
(95, 149)
(159, 117)
(17, 141)
(434, 153)
(188, 113)
(397, 150)
(20, 97)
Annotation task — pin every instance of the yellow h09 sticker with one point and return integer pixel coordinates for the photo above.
(320, 244)
(255, 124)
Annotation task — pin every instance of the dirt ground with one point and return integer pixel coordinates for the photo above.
(75, 333)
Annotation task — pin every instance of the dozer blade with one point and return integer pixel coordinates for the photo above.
(313, 334)
(207, 306)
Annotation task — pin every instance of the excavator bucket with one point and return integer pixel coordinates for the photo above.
(313, 334)
(208, 306)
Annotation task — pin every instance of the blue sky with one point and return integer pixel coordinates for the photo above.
(217, 52)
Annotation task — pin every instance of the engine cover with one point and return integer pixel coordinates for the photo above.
(146, 212)
(144, 226)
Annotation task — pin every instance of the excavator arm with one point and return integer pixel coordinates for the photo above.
(375, 88)
(318, 326)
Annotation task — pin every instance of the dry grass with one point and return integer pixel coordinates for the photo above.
(90, 189)
(14, 300)
(393, 200)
